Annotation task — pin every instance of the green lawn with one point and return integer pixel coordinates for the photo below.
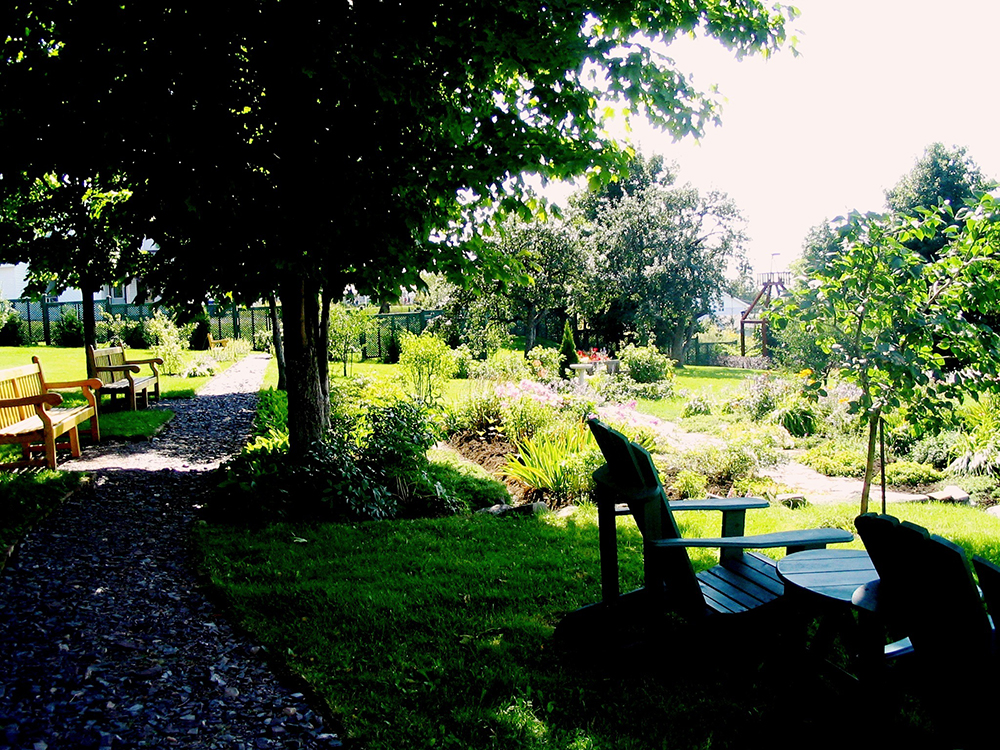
(439, 633)
(61, 364)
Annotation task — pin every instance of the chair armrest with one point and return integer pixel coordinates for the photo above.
(805, 538)
(150, 361)
(52, 399)
(720, 503)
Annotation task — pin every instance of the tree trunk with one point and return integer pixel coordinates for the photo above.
(873, 422)
(678, 346)
(323, 353)
(308, 400)
(89, 323)
(279, 346)
(531, 332)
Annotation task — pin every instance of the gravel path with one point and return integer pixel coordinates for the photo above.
(106, 640)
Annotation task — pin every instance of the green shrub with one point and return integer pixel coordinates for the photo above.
(835, 459)
(555, 461)
(469, 484)
(168, 343)
(68, 330)
(797, 415)
(463, 361)
(911, 473)
(428, 364)
(544, 362)
(567, 352)
(523, 417)
(690, 484)
(13, 331)
(263, 340)
(502, 366)
(645, 364)
(696, 406)
(481, 412)
(935, 450)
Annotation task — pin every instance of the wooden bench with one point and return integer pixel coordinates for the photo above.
(217, 343)
(31, 416)
(119, 376)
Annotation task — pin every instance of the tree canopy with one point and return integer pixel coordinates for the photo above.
(895, 323)
(658, 255)
(302, 146)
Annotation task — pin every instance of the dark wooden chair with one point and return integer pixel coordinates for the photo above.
(742, 582)
(928, 593)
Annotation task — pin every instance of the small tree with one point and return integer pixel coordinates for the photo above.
(898, 325)
(567, 350)
(428, 363)
(347, 326)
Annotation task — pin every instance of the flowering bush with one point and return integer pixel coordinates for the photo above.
(594, 355)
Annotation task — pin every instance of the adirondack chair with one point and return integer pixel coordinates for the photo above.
(742, 582)
(927, 592)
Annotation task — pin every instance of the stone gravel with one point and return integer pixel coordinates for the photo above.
(107, 639)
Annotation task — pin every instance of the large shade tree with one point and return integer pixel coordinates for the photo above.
(659, 255)
(302, 146)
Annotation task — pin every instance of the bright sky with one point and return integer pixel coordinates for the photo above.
(809, 138)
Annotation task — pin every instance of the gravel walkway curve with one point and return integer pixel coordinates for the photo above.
(106, 640)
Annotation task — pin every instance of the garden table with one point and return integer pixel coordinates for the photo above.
(821, 584)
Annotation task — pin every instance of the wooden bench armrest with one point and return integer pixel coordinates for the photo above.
(89, 383)
(52, 399)
(803, 539)
(150, 361)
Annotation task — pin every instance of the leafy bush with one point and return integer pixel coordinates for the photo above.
(911, 473)
(122, 331)
(168, 342)
(690, 484)
(481, 412)
(503, 365)
(544, 363)
(68, 330)
(468, 483)
(369, 468)
(797, 415)
(557, 462)
(428, 363)
(263, 340)
(13, 331)
(396, 437)
(835, 459)
(523, 417)
(697, 405)
(645, 364)
(463, 361)
(203, 365)
(935, 450)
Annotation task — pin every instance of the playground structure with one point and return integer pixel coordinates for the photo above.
(772, 285)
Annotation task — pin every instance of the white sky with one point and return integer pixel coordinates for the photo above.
(809, 138)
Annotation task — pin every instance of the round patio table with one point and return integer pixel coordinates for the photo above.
(830, 573)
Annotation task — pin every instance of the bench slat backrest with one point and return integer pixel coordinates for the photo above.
(112, 356)
(18, 382)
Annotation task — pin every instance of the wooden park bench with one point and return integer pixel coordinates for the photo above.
(119, 376)
(31, 415)
(214, 343)
(742, 582)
